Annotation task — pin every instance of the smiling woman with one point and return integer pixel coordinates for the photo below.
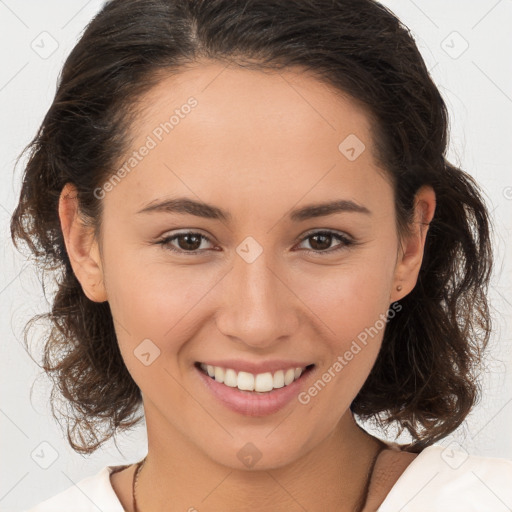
(258, 269)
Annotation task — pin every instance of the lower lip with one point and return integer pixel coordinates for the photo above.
(250, 403)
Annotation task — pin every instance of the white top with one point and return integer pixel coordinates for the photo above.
(439, 479)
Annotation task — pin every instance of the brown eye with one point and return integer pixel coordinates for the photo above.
(321, 241)
(188, 242)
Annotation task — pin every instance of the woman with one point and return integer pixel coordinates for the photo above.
(260, 238)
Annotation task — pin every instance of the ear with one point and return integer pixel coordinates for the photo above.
(410, 253)
(81, 246)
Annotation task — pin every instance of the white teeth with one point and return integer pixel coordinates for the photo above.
(264, 382)
(279, 379)
(219, 374)
(230, 378)
(289, 376)
(245, 381)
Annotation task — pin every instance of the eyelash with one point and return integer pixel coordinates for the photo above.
(346, 242)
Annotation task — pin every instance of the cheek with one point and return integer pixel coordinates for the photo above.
(151, 310)
(349, 305)
(154, 300)
(349, 298)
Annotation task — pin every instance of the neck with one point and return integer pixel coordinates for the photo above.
(332, 476)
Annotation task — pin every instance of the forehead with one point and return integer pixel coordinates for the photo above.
(261, 101)
(266, 134)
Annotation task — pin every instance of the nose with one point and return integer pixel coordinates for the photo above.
(258, 307)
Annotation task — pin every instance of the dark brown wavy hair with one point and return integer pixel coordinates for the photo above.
(425, 379)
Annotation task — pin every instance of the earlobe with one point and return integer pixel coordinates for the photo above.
(411, 252)
(81, 246)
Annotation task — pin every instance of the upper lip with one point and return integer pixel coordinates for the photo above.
(253, 367)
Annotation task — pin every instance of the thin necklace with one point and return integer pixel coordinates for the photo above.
(363, 500)
(135, 477)
(366, 490)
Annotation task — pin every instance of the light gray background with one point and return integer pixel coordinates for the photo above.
(477, 86)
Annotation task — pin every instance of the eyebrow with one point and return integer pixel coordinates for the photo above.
(184, 205)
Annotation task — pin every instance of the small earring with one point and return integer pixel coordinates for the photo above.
(399, 287)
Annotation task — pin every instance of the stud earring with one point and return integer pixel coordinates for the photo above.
(399, 287)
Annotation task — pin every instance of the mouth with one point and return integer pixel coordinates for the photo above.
(259, 383)
(254, 394)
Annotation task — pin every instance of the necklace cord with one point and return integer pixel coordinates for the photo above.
(134, 484)
(364, 498)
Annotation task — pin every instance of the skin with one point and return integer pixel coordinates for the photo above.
(257, 145)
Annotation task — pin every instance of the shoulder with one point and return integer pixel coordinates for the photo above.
(449, 478)
(89, 494)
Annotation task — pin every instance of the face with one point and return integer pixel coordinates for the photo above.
(260, 281)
